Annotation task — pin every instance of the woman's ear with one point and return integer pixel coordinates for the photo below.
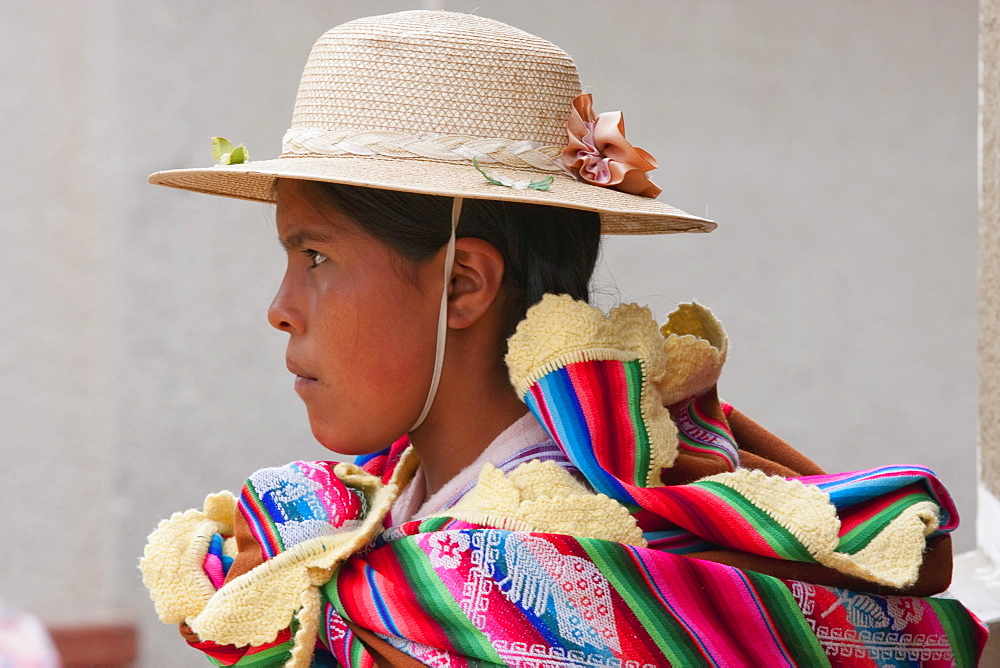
(475, 281)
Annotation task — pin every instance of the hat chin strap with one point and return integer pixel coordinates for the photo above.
(442, 329)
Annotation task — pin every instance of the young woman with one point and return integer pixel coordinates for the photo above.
(537, 483)
(360, 302)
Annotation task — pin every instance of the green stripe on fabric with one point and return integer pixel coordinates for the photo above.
(272, 656)
(778, 537)
(858, 538)
(357, 650)
(259, 510)
(698, 445)
(434, 524)
(693, 412)
(671, 637)
(633, 377)
(959, 628)
(438, 602)
(789, 622)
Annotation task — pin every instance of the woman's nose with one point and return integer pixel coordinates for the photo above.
(282, 314)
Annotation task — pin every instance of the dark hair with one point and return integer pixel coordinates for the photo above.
(545, 248)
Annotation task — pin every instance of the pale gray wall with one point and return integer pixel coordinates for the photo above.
(834, 142)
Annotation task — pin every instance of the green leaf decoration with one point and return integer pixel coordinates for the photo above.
(542, 184)
(485, 175)
(538, 184)
(221, 147)
(239, 155)
(225, 154)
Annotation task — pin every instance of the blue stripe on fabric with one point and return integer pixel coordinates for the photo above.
(380, 608)
(361, 460)
(252, 504)
(863, 487)
(571, 426)
(681, 537)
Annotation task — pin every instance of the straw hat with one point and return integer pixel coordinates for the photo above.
(406, 101)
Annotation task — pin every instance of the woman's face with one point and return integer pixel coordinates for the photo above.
(361, 335)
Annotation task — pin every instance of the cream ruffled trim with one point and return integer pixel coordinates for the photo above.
(682, 359)
(892, 558)
(172, 562)
(696, 347)
(542, 496)
(253, 608)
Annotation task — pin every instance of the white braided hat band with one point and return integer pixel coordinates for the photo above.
(519, 154)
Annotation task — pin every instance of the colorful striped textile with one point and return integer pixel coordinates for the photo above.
(602, 430)
(698, 431)
(216, 563)
(288, 504)
(858, 629)
(491, 597)
(591, 410)
(272, 654)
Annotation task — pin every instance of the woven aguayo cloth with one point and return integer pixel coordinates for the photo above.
(651, 546)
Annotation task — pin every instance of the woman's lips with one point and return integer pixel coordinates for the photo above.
(302, 379)
(303, 382)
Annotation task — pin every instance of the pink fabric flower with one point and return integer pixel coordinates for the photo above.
(598, 153)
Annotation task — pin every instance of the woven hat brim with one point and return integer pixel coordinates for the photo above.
(620, 212)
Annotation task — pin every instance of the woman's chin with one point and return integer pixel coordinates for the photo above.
(347, 445)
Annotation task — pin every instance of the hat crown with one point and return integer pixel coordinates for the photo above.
(441, 72)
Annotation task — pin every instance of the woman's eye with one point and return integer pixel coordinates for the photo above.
(315, 256)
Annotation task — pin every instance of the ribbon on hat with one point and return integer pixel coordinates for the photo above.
(598, 153)
(519, 153)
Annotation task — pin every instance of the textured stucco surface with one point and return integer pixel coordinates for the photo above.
(989, 258)
(834, 142)
(984, 578)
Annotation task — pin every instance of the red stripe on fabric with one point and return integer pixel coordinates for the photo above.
(624, 439)
(377, 465)
(269, 540)
(860, 513)
(229, 655)
(602, 392)
(355, 597)
(543, 408)
(397, 597)
(703, 513)
(650, 521)
(401, 601)
(721, 594)
(395, 453)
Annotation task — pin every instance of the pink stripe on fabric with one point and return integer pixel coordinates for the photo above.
(213, 569)
(706, 601)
